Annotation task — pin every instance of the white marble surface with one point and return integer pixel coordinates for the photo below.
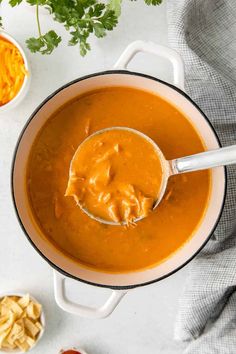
(143, 322)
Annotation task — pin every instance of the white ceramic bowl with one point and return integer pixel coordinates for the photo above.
(25, 86)
(42, 321)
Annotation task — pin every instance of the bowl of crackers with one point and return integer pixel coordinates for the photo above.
(22, 322)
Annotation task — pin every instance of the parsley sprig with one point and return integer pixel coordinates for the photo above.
(46, 43)
(81, 18)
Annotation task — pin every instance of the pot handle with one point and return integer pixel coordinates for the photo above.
(159, 50)
(81, 310)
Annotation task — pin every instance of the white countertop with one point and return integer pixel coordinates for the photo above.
(143, 322)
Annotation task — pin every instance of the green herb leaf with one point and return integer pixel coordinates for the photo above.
(109, 20)
(35, 44)
(44, 44)
(96, 10)
(84, 47)
(15, 2)
(153, 2)
(1, 25)
(51, 40)
(115, 5)
(99, 30)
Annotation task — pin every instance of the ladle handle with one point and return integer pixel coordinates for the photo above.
(214, 158)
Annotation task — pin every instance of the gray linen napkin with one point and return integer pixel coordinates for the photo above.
(204, 33)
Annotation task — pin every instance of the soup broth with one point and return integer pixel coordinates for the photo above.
(105, 247)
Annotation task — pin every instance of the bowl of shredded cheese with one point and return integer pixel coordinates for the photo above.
(14, 73)
(22, 322)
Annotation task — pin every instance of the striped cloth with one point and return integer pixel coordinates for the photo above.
(204, 33)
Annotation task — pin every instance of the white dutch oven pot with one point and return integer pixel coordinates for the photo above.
(119, 284)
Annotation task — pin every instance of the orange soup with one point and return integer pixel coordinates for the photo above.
(105, 247)
(108, 178)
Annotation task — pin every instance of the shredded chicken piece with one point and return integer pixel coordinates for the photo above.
(168, 194)
(146, 206)
(117, 148)
(87, 127)
(100, 197)
(58, 209)
(127, 189)
(92, 191)
(127, 214)
(105, 156)
(101, 175)
(104, 197)
(99, 144)
(114, 212)
(75, 188)
(130, 224)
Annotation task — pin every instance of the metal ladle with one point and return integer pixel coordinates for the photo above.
(204, 160)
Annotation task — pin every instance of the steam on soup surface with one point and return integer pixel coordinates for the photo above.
(105, 247)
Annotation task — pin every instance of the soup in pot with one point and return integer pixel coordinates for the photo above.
(106, 247)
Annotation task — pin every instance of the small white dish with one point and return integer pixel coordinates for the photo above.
(42, 321)
(25, 86)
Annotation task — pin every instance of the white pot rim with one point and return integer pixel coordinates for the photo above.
(56, 267)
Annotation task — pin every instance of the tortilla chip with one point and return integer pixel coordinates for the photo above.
(24, 301)
(33, 310)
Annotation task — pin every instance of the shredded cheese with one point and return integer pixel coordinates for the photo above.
(12, 71)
